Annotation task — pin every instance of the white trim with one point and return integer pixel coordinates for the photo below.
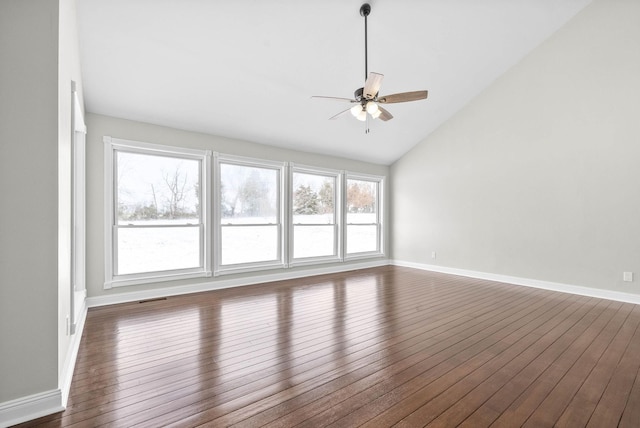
(77, 115)
(286, 202)
(527, 282)
(155, 277)
(337, 215)
(249, 267)
(363, 255)
(380, 220)
(281, 168)
(248, 161)
(64, 381)
(316, 260)
(111, 145)
(30, 407)
(226, 283)
(157, 149)
(315, 170)
(108, 210)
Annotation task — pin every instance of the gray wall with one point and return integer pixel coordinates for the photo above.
(29, 189)
(99, 126)
(68, 70)
(539, 176)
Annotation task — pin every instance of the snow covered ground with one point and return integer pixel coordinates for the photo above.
(151, 249)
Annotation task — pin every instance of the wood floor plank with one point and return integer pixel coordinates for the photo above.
(373, 347)
(355, 396)
(356, 367)
(609, 409)
(550, 409)
(261, 418)
(421, 404)
(550, 369)
(361, 336)
(482, 417)
(585, 400)
(397, 389)
(462, 399)
(76, 416)
(631, 414)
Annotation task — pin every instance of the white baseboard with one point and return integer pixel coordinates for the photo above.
(135, 296)
(45, 403)
(527, 282)
(31, 407)
(70, 362)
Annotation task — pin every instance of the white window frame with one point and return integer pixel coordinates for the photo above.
(111, 145)
(282, 204)
(380, 224)
(338, 215)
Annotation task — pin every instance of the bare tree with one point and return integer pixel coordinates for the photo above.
(176, 183)
(155, 201)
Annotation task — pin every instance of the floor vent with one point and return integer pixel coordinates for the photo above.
(152, 300)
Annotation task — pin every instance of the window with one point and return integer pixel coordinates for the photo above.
(249, 214)
(314, 212)
(158, 214)
(157, 219)
(364, 220)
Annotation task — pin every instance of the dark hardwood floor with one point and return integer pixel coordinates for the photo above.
(379, 347)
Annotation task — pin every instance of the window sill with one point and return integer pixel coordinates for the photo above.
(155, 278)
(309, 261)
(364, 255)
(248, 268)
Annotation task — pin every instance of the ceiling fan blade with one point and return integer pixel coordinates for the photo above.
(384, 114)
(339, 115)
(372, 85)
(335, 98)
(403, 97)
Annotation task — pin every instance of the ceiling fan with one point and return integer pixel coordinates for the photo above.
(366, 99)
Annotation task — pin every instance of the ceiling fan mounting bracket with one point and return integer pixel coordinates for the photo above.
(365, 9)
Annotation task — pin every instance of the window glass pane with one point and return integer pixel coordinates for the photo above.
(362, 201)
(157, 189)
(313, 199)
(249, 244)
(362, 238)
(313, 241)
(152, 249)
(248, 195)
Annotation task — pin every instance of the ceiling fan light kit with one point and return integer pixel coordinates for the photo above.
(366, 100)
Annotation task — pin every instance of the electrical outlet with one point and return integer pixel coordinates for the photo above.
(68, 321)
(433, 255)
(627, 276)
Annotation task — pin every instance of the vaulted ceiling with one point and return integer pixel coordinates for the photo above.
(246, 69)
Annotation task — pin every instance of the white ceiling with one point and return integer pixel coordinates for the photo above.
(246, 69)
